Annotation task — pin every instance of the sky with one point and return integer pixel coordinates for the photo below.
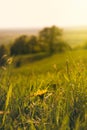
(41, 13)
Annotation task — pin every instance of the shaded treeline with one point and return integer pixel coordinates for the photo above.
(48, 40)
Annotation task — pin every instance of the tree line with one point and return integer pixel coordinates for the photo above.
(48, 40)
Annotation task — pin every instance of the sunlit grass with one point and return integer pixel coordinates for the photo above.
(46, 95)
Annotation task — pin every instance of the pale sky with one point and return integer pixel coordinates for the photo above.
(41, 13)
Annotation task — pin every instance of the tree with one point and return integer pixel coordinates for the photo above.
(62, 46)
(33, 44)
(48, 40)
(19, 46)
(49, 36)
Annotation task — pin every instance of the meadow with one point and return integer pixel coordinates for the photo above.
(75, 36)
(47, 94)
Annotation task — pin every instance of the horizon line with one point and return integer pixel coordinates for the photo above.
(30, 28)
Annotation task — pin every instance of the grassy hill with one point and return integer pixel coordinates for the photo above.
(47, 94)
(47, 63)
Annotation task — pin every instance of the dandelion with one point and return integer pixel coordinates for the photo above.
(40, 92)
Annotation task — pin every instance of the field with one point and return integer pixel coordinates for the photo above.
(7, 36)
(74, 36)
(47, 94)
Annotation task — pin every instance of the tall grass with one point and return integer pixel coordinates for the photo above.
(55, 100)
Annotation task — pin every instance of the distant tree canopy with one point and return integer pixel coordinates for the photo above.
(48, 40)
(19, 46)
(33, 44)
(49, 37)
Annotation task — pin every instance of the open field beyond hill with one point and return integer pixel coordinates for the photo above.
(9, 35)
(74, 37)
(48, 94)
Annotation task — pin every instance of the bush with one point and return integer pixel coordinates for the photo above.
(3, 56)
(17, 63)
(19, 46)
